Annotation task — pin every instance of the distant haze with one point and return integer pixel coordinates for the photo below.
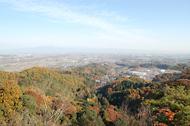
(80, 51)
(57, 26)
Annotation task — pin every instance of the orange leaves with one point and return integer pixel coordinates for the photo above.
(36, 93)
(48, 101)
(65, 106)
(95, 108)
(168, 113)
(69, 109)
(112, 114)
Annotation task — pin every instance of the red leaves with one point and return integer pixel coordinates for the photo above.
(168, 113)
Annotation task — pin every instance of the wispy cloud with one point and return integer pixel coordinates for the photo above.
(109, 24)
(62, 11)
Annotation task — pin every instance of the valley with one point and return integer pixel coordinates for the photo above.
(94, 90)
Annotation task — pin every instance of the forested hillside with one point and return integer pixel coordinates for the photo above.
(165, 102)
(48, 97)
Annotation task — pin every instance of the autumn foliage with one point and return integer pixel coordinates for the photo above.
(10, 102)
(44, 97)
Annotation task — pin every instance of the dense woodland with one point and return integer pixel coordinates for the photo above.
(47, 97)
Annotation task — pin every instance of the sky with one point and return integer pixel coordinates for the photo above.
(152, 25)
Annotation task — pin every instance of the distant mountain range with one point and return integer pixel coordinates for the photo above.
(83, 50)
(63, 50)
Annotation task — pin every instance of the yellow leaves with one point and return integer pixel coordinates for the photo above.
(92, 100)
(40, 86)
(134, 94)
(7, 76)
(52, 82)
(138, 80)
(10, 97)
(38, 74)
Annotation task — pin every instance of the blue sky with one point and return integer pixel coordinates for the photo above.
(153, 25)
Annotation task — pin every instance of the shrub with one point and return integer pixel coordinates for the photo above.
(10, 102)
(89, 118)
(29, 102)
(120, 122)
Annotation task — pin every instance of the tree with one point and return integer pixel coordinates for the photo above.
(89, 118)
(10, 94)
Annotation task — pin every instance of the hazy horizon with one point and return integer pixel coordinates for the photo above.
(52, 50)
(152, 26)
